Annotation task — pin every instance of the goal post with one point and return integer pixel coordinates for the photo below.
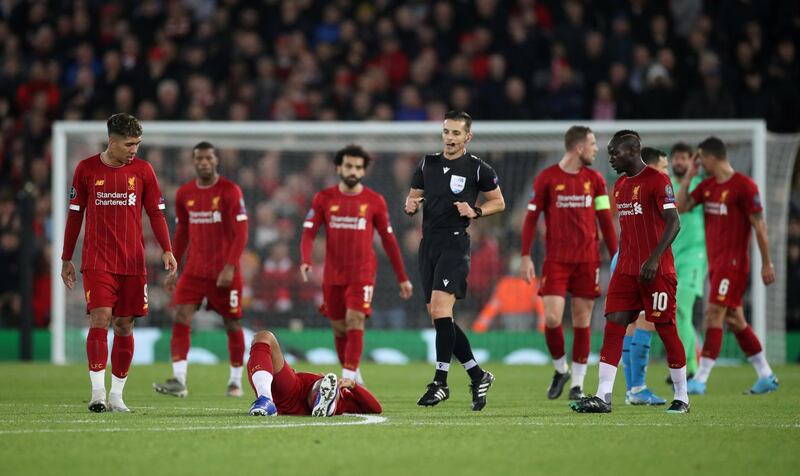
(518, 150)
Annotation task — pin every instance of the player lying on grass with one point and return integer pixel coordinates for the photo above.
(279, 389)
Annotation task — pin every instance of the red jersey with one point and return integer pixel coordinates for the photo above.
(568, 203)
(113, 198)
(294, 399)
(727, 208)
(350, 222)
(212, 221)
(640, 200)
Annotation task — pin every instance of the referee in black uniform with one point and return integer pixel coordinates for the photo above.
(446, 186)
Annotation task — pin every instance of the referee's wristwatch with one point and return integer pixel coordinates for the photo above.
(478, 212)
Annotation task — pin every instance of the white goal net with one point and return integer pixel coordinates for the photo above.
(281, 165)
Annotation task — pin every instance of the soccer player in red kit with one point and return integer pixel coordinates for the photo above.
(281, 390)
(731, 206)
(644, 279)
(112, 187)
(212, 222)
(572, 196)
(350, 213)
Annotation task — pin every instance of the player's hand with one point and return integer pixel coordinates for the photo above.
(768, 273)
(170, 281)
(696, 164)
(649, 268)
(526, 269)
(169, 262)
(305, 270)
(406, 289)
(225, 277)
(413, 204)
(465, 210)
(347, 383)
(68, 273)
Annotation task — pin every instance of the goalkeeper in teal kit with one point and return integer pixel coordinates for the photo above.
(689, 250)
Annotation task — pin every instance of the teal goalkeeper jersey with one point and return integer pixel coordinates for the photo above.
(690, 244)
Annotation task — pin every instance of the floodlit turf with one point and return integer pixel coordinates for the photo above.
(45, 428)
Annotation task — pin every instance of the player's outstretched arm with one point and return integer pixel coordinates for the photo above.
(760, 226)
(672, 225)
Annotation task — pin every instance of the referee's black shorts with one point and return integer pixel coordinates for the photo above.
(444, 262)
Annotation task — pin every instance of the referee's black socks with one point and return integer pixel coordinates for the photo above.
(463, 352)
(445, 341)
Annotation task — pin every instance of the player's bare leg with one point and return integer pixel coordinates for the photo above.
(715, 316)
(581, 343)
(266, 360)
(97, 354)
(180, 343)
(750, 345)
(554, 336)
(354, 330)
(233, 328)
(121, 358)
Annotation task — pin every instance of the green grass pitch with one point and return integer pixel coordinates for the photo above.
(45, 428)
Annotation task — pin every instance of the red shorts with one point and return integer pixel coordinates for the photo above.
(227, 302)
(579, 279)
(290, 390)
(126, 295)
(656, 298)
(337, 299)
(727, 287)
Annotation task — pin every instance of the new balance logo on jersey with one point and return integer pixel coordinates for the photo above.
(446, 169)
(446, 282)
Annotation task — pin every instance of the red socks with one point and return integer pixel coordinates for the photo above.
(581, 344)
(260, 359)
(97, 349)
(555, 341)
(181, 341)
(676, 355)
(748, 341)
(613, 335)
(353, 349)
(236, 347)
(121, 355)
(713, 343)
(341, 345)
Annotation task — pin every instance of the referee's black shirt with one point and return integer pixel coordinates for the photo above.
(447, 181)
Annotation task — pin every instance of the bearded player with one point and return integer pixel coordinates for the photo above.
(573, 198)
(212, 222)
(350, 213)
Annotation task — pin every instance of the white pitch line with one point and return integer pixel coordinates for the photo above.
(365, 420)
(603, 424)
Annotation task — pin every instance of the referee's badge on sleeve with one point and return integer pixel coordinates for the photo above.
(457, 183)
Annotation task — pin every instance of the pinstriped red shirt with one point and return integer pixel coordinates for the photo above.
(350, 223)
(567, 201)
(112, 199)
(727, 208)
(639, 201)
(212, 221)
